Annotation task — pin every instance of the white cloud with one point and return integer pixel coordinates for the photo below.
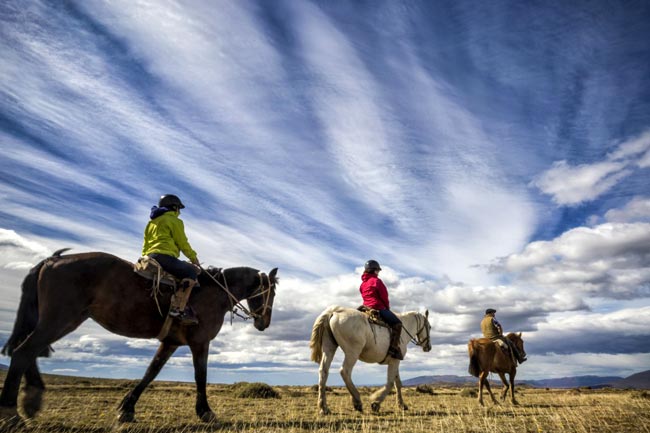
(636, 210)
(19, 252)
(572, 185)
(611, 260)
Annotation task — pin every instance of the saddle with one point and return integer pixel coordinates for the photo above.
(373, 316)
(151, 270)
(505, 348)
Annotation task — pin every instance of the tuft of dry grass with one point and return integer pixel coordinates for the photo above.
(256, 390)
(89, 405)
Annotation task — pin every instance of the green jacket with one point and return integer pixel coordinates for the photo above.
(166, 235)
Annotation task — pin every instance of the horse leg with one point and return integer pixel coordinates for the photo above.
(512, 386)
(200, 359)
(33, 392)
(504, 392)
(398, 391)
(127, 406)
(346, 373)
(329, 348)
(23, 361)
(489, 388)
(378, 397)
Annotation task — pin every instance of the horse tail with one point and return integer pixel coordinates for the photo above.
(27, 316)
(474, 367)
(321, 326)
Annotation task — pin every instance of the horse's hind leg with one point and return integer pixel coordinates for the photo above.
(23, 361)
(346, 373)
(489, 389)
(504, 392)
(512, 387)
(33, 392)
(329, 349)
(127, 406)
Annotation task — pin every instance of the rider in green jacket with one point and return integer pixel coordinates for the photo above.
(164, 239)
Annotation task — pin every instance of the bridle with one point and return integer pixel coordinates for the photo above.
(420, 329)
(235, 304)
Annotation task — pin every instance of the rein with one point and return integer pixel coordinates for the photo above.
(236, 304)
(414, 339)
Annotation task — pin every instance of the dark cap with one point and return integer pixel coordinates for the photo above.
(371, 266)
(490, 311)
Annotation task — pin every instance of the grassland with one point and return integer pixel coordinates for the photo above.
(89, 405)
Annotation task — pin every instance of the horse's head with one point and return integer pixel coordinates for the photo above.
(424, 331)
(518, 342)
(260, 302)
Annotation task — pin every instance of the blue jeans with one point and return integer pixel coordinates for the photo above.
(177, 268)
(389, 317)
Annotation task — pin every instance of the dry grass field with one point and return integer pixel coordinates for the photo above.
(88, 405)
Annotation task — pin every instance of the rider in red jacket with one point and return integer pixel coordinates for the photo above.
(375, 296)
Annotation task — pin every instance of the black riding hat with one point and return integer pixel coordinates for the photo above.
(372, 265)
(169, 200)
(490, 311)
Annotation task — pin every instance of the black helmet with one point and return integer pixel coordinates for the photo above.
(169, 201)
(490, 311)
(372, 265)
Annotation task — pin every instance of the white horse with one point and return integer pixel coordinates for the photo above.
(349, 328)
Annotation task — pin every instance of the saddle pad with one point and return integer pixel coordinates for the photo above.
(150, 269)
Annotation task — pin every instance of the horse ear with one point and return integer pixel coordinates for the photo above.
(272, 274)
(426, 314)
(519, 335)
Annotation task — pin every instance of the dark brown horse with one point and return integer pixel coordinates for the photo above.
(61, 292)
(486, 356)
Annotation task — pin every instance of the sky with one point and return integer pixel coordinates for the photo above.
(487, 154)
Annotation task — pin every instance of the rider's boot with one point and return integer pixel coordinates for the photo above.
(180, 308)
(395, 336)
(516, 355)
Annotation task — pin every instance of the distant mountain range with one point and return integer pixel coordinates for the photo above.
(636, 381)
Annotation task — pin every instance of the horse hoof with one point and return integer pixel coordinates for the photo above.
(126, 417)
(358, 407)
(209, 417)
(10, 420)
(375, 407)
(32, 400)
(325, 411)
(404, 407)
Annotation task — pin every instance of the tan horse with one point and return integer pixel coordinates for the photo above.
(349, 329)
(486, 356)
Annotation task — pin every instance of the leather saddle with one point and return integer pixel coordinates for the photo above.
(373, 316)
(151, 270)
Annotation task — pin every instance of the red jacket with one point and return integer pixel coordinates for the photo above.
(374, 292)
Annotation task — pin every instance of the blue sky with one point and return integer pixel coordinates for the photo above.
(487, 154)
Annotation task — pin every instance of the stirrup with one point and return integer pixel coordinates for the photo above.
(396, 353)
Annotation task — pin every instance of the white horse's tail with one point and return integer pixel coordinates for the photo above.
(321, 326)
